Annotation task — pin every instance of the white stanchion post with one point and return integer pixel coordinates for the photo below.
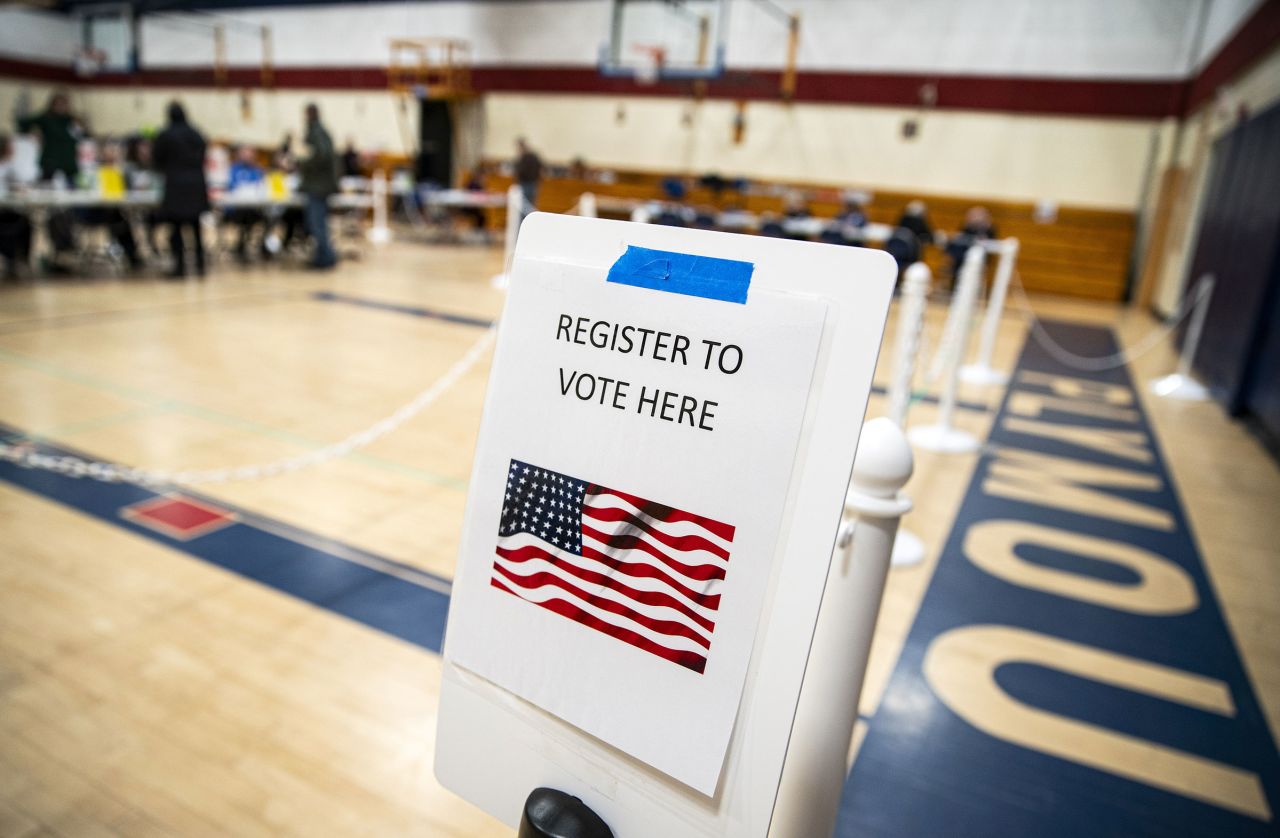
(981, 371)
(915, 291)
(1180, 384)
(943, 436)
(908, 549)
(515, 214)
(587, 205)
(379, 233)
(818, 753)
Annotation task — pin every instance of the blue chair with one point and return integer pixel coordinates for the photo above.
(670, 218)
(832, 234)
(674, 189)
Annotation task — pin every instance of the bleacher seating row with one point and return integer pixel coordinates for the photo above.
(1083, 253)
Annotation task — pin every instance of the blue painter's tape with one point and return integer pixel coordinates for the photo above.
(683, 273)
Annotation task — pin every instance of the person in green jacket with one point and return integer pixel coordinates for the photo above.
(59, 136)
(319, 180)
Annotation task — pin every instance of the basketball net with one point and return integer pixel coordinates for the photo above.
(89, 62)
(649, 67)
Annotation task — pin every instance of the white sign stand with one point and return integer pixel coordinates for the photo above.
(494, 746)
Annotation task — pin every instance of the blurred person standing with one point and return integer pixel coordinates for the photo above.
(528, 175)
(319, 172)
(60, 134)
(15, 229)
(178, 154)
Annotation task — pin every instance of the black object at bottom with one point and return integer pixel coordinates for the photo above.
(549, 813)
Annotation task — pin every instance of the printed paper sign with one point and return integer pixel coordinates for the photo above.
(631, 476)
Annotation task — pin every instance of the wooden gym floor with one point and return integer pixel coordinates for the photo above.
(183, 673)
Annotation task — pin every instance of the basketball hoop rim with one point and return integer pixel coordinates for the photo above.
(89, 61)
(714, 70)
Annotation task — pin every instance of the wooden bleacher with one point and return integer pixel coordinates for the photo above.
(1084, 253)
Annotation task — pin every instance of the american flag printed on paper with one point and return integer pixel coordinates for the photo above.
(639, 571)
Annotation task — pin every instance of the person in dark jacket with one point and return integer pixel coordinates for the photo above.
(178, 156)
(59, 136)
(351, 161)
(916, 219)
(319, 173)
(528, 174)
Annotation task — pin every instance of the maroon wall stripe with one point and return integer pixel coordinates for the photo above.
(1148, 99)
(1255, 38)
(1142, 99)
(34, 70)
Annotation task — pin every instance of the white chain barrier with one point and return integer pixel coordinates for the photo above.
(25, 455)
(1197, 301)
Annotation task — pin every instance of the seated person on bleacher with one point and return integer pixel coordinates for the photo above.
(915, 217)
(15, 229)
(977, 227)
(794, 205)
(246, 176)
(852, 215)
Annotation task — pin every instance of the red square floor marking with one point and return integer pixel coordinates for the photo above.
(179, 517)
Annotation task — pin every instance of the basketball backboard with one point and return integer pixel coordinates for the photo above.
(106, 38)
(674, 39)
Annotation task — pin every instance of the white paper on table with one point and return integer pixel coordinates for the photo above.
(670, 717)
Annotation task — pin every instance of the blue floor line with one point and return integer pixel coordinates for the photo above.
(932, 765)
(392, 597)
(401, 308)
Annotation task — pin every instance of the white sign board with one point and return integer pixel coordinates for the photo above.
(669, 429)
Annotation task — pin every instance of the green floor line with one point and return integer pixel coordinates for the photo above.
(91, 425)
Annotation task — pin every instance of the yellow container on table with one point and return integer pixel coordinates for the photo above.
(110, 183)
(277, 187)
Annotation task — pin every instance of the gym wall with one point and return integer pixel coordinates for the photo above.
(1078, 158)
